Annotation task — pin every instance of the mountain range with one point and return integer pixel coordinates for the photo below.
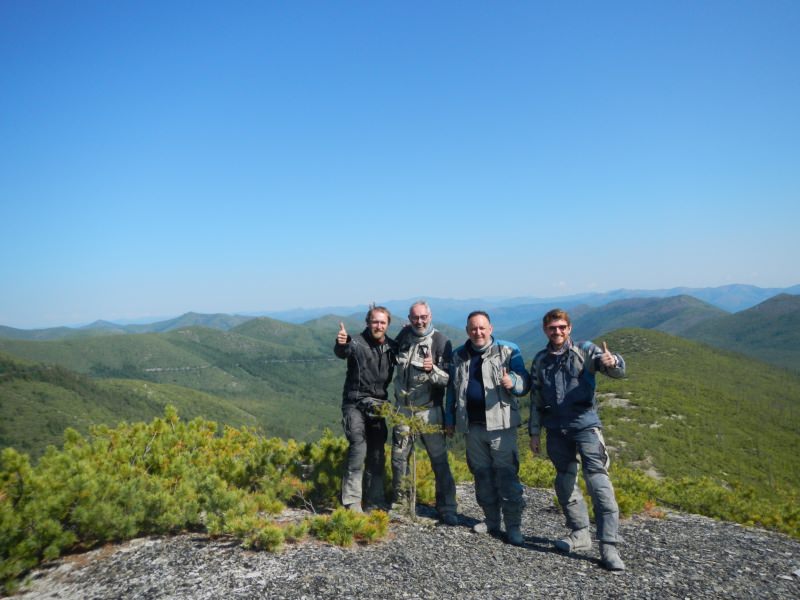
(506, 313)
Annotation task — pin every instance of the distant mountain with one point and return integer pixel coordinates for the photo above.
(220, 321)
(51, 333)
(671, 315)
(769, 331)
(509, 312)
(506, 313)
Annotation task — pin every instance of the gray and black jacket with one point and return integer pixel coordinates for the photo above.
(413, 387)
(370, 366)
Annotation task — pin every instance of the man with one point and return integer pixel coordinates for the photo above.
(370, 365)
(423, 363)
(563, 401)
(485, 378)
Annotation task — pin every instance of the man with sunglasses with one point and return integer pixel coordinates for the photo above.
(423, 363)
(563, 401)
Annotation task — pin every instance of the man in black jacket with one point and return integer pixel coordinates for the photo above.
(370, 364)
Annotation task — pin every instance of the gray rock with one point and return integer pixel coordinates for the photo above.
(679, 556)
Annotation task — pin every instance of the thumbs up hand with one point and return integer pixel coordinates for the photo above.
(608, 359)
(341, 336)
(506, 380)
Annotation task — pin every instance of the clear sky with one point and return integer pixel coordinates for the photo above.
(158, 157)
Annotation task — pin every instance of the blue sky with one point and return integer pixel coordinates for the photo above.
(162, 157)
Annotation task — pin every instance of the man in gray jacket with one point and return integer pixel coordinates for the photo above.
(563, 401)
(486, 377)
(423, 363)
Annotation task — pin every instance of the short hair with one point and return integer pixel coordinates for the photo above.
(476, 313)
(420, 303)
(555, 315)
(373, 308)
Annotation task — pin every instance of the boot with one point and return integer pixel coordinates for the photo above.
(449, 519)
(491, 524)
(609, 557)
(578, 539)
(514, 536)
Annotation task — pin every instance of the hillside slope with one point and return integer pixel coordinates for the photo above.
(769, 331)
(38, 402)
(688, 409)
(685, 408)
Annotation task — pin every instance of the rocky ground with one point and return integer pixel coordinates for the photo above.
(678, 556)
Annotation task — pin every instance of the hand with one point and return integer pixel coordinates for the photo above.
(427, 364)
(609, 360)
(536, 444)
(506, 380)
(341, 336)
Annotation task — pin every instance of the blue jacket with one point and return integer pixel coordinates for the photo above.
(563, 387)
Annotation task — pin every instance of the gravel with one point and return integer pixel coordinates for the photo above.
(678, 556)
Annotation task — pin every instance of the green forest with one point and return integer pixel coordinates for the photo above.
(95, 449)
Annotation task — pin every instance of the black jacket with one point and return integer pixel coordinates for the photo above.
(370, 367)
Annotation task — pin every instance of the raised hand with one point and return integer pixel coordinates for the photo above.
(341, 336)
(608, 359)
(506, 380)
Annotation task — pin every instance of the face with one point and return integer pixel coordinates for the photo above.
(378, 324)
(558, 332)
(479, 330)
(420, 318)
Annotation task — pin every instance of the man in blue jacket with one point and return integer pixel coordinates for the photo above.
(563, 401)
(486, 377)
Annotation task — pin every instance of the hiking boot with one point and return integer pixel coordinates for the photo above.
(489, 527)
(514, 536)
(450, 519)
(609, 558)
(355, 507)
(578, 539)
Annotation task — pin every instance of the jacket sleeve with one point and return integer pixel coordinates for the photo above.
(594, 351)
(516, 368)
(450, 400)
(440, 374)
(342, 350)
(535, 420)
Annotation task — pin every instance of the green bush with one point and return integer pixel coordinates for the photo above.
(343, 527)
(157, 478)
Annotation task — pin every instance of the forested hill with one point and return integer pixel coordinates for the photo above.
(685, 408)
(769, 331)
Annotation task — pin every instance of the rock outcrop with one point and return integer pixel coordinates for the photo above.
(678, 556)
